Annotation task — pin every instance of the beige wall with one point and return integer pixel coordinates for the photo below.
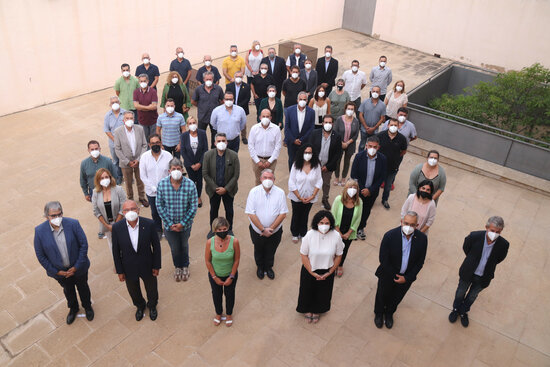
(496, 34)
(57, 49)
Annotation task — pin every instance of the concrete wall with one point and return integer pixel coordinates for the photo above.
(359, 15)
(495, 34)
(52, 50)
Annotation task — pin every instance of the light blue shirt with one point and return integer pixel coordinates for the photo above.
(237, 90)
(371, 165)
(487, 249)
(381, 77)
(272, 62)
(111, 122)
(170, 128)
(405, 252)
(229, 123)
(327, 62)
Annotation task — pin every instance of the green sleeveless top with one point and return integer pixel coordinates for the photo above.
(222, 261)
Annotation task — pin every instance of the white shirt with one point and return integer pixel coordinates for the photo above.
(194, 142)
(134, 234)
(131, 135)
(304, 183)
(353, 83)
(301, 118)
(267, 206)
(321, 248)
(151, 170)
(264, 142)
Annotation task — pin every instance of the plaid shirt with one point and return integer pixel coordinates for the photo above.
(177, 206)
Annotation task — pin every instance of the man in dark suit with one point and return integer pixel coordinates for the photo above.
(241, 91)
(299, 123)
(402, 254)
(309, 76)
(484, 250)
(136, 253)
(277, 68)
(369, 169)
(328, 156)
(62, 249)
(327, 70)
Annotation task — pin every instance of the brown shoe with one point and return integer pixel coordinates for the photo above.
(144, 202)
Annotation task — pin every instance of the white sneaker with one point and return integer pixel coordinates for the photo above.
(295, 239)
(185, 274)
(177, 274)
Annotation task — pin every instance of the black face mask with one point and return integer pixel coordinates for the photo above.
(155, 148)
(425, 195)
(340, 87)
(222, 234)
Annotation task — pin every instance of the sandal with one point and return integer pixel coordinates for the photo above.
(340, 272)
(217, 320)
(336, 183)
(315, 318)
(308, 318)
(228, 321)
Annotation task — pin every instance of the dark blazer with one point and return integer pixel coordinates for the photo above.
(473, 247)
(48, 254)
(334, 150)
(232, 171)
(244, 94)
(328, 76)
(190, 158)
(359, 170)
(132, 264)
(279, 72)
(340, 128)
(311, 83)
(391, 254)
(291, 125)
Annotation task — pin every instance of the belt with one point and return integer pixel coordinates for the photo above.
(266, 158)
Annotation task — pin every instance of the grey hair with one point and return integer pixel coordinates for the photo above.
(207, 73)
(128, 112)
(412, 213)
(174, 162)
(302, 92)
(496, 220)
(271, 87)
(375, 86)
(144, 76)
(238, 72)
(267, 170)
(271, 48)
(221, 135)
(52, 205)
(111, 99)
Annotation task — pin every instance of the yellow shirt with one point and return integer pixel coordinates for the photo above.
(232, 66)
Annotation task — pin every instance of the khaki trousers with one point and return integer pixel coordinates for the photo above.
(258, 171)
(128, 181)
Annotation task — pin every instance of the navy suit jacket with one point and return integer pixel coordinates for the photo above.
(391, 250)
(190, 158)
(48, 254)
(140, 264)
(291, 125)
(244, 95)
(359, 171)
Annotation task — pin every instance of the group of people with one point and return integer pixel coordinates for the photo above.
(169, 158)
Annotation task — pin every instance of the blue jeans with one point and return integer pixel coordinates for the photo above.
(118, 171)
(363, 141)
(155, 213)
(390, 178)
(463, 301)
(179, 245)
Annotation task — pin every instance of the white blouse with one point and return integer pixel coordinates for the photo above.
(321, 248)
(305, 183)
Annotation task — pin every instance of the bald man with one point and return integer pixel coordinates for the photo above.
(151, 70)
(207, 59)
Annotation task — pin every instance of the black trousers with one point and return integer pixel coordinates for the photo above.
(368, 202)
(213, 133)
(70, 285)
(172, 150)
(315, 295)
(196, 177)
(219, 290)
(265, 248)
(347, 244)
(388, 295)
(300, 216)
(154, 212)
(215, 201)
(134, 289)
(466, 294)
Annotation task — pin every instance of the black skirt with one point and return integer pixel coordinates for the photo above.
(315, 295)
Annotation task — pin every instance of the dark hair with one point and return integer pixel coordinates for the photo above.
(329, 116)
(170, 100)
(434, 152)
(382, 57)
(295, 67)
(124, 65)
(350, 103)
(153, 135)
(403, 109)
(316, 94)
(424, 183)
(93, 142)
(320, 215)
(355, 61)
(393, 119)
(328, 46)
(373, 139)
(299, 157)
(229, 92)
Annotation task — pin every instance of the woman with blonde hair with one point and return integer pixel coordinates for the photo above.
(107, 200)
(396, 98)
(347, 209)
(253, 59)
(175, 89)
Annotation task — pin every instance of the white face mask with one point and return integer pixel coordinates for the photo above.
(323, 228)
(143, 85)
(175, 80)
(349, 112)
(408, 230)
(207, 63)
(131, 216)
(193, 127)
(271, 94)
(297, 51)
(180, 55)
(374, 95)
(393, 129)
(327, 54)
(382, 64)
(208, 83)
(233, 53)
(263, 71)
(354, 68)
(105, 182)
(321, 94)
(265, 121)
(399, 88)
(126, 74)
(432, 161)
(351, 191)
(294, 75)
(170, 109)
(307, 157)
(307, 66)
(115, 106)
(238, 80)
(267, 183)
(57, 221)
(221, 146)
(302, 103)
(371, 151)
(94, 153)
(228, 103)
(257, 47)
(129, 123)
(146, 61)
(327, 127)
(176, 174)
(492, 235)
(401, 118)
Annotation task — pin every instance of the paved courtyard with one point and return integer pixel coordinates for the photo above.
(510, 323)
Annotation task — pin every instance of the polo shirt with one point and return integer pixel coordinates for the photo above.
(372, 113)
(392, 148)
(381, 77)
(111, 122)
(125, 89)
(292, 90)
(207, 101)
(203, 70)
(152, 72)
(182, 68)
(146, 118)
(171, 128)
(233, 66)
(88, 169)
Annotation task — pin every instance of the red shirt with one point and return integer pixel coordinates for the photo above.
(146, 118)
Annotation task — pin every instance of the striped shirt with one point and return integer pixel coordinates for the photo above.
(177, 206)
(171, 128)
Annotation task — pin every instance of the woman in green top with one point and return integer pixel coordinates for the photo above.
(347, 209)
(338, 99)
(274, 105)
(175, 89)
(222, 256)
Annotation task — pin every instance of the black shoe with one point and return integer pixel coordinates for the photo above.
(270, 274)
(260, 273)
(153, 314)
(379, 321)
(139, 314)
(71, 317)
(89, 313)
(453, 316)
(386, 204)
(361, 234)
(245, 141)
(326, 204)
(464, 320)
(389, 320)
